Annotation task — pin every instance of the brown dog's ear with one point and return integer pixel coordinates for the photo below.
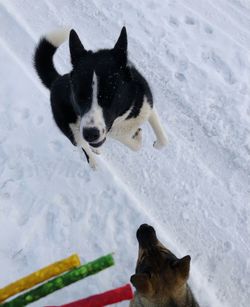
(120, 49)
(75, 47)
(140, 282)
(183, 266)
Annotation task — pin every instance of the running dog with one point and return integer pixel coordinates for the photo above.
(104, 94)
(161, 278)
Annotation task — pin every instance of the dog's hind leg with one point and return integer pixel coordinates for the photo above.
(161, 138)
(134, 142)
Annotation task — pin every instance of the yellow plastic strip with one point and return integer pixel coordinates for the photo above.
(39, 276)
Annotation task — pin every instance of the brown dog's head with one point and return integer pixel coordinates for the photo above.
(160, 275)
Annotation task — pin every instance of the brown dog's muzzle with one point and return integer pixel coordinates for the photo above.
(146, 236)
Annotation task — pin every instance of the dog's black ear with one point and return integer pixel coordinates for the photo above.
(76, 48)
(120, 49)
(183, 266)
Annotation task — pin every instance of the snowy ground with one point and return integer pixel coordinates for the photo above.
(196, 192)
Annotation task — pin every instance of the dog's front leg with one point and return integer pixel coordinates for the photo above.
(161, 138)
(78, 140)
(89, 154)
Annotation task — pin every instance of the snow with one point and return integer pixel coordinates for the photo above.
(195, 192)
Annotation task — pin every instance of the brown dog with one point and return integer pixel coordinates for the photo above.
(160, 278)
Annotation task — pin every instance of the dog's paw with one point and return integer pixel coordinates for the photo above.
(92, 163)
(159, 144)
(138, 134)
(137, 139)
(97, 151)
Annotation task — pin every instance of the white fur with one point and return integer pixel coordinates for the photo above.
(155, 123)
(126, 130)
(57, 37)
(81, 143)
(94, 117)
(123, 126)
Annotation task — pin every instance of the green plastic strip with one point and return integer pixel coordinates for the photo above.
(61, 281)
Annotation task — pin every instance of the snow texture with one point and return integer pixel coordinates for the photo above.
(195, 192)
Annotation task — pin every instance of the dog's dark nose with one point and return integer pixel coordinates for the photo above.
(146, 236)
(91, 134)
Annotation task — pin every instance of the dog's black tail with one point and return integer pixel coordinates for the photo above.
(43, 57)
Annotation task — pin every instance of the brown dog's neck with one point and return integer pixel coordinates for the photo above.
(182, 298)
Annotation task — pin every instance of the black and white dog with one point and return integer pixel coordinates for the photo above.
(104, 95)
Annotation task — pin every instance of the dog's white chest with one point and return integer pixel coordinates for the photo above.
(123, 126)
